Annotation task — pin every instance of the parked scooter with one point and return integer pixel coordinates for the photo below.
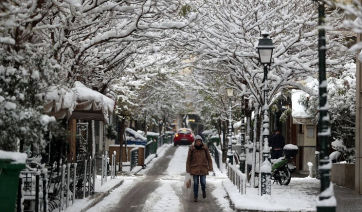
(282, 168)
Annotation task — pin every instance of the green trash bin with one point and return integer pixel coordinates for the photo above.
(153, 137)
(170, 135)
(215, 140)
(9, 181)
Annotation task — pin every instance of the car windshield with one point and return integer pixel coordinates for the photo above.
(184, 132)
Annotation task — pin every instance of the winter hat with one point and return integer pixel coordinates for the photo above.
(199, 138)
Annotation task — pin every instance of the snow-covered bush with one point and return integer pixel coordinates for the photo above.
(25, 72)
(342, 153)
(341, 98)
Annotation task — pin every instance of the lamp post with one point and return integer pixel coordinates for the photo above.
(326, 200)
(230, 94)
(265, 51)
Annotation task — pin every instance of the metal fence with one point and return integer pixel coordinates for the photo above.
(216, 153)
(32, 190)
(134, 157)
(237, 177)
(150, 148)
(42, 189)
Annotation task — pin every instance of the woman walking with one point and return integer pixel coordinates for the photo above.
(199, 164)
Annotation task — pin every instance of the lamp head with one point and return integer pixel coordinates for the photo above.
(230, 92)
(265, 49)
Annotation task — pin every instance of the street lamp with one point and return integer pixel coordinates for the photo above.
(326, 200)
(265, 51)
(230, 94)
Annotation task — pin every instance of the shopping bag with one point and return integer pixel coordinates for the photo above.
(188, 180)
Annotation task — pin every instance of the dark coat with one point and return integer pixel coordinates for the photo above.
(271, 140)
(199, 161)
(278, 141)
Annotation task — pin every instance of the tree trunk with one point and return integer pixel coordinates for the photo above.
(218, 127)
(121, 141)
(224, 146)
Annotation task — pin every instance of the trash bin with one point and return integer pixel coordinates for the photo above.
(170, 135)
(151, 136)
(215, 139)
(9, 182)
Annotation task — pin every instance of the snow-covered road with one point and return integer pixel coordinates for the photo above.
(160, 187)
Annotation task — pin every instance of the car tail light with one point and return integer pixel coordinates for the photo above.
(192, 136)
(176, 135)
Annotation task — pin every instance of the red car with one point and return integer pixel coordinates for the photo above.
(183, 136)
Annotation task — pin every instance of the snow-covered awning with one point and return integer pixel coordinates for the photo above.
(91, 105)
(299, 111)
(60, 102)
(79, 102)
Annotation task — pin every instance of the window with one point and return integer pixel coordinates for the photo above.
(310, 131)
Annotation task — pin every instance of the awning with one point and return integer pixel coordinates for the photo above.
(79, 102)
(91, 105)
(60, 102)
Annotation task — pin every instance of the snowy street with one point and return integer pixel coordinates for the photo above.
(99, 101)
(160, 187)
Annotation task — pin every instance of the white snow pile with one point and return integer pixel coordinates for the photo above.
(134, 135)
(291, 147)
(298, 110)
(153, 133)
(17, 157)
(237, 125)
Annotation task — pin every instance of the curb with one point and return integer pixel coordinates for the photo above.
(101, 196)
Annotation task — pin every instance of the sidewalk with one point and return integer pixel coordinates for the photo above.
(301, 192)
(102, 191)
(347, 199)
(299, 196)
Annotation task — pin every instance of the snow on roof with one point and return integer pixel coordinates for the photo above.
(109, 103)
(62, 93)
(17, 157)
(91, 100)
(60, 101)
(86, 94)
(298, 110)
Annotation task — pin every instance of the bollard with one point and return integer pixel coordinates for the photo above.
(102, 176)
(310, 165)
(317, 175)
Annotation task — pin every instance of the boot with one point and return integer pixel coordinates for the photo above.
(195, 199)
(204, 194)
